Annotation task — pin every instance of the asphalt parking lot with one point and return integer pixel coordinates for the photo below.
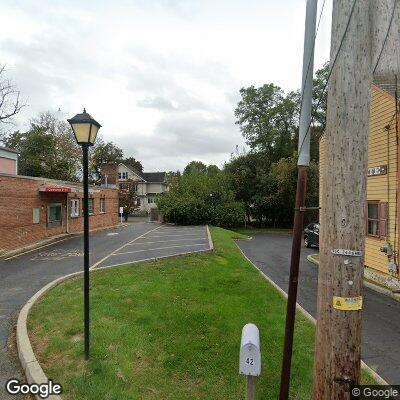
(24, 274)
(166, 241)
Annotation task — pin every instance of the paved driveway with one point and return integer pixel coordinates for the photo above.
(166, 241)
(381, 316)
(22, 276)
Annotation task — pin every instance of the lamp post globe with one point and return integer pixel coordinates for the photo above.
(85, 129)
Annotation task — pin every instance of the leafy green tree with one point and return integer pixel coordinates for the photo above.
(195, 166)
(243, 173)
(198, 198)
(213, 170)
(320, 95)
(133, 163)
(103, 153)
(48, 149)
(268, 119)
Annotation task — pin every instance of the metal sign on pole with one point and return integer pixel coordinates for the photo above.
(121, 211)
(303, 163)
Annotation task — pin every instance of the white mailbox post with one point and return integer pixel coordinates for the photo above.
(250, 357)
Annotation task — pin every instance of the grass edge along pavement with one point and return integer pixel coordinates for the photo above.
(170, 329)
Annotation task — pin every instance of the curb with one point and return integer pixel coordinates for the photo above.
(312, 259)
(33, 371)
(368, 283)
(364, 366)
(30, 364)
(210, 242)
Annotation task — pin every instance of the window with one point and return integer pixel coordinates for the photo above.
(150, 200)
(54, 215)
(74, 210)
(102, 205)
(377, 215)
(122, 175)
(91, 208)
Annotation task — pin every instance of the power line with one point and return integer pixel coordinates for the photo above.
(386, 36)
(330, 73)
(312, 54)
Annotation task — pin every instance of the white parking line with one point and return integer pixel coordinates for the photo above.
(167, 235)
(120, 248)
(155, 258)
(158, 248)
(164, 241)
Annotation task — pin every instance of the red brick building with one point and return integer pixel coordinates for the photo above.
(33, 209)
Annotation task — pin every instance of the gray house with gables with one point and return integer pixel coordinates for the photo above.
(147, 185)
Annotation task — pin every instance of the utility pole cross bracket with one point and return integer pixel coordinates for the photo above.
(304, 209)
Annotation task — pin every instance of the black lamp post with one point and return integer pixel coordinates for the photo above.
(85, 130)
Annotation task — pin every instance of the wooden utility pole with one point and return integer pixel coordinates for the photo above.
(342, 232)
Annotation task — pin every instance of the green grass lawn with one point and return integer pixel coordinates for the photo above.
(169, 329)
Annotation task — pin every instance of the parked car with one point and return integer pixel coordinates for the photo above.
(311, 235)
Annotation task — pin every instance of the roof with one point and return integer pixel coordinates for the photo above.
(58, 182)
(153, 177)
(387, 84)
(8, 149)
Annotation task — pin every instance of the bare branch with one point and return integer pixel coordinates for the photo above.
(10, 102)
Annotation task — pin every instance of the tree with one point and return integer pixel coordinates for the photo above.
(212, 170)
(131, 162)
(128, 198)
(47, 149)
(103, 153)
(243, 173)
(199, 198)
(268, 119)
(10, 103)
(268, 193)
(320, 95)
(195, 167)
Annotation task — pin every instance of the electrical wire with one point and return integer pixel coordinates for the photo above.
(312, 55)
(329, 74)
(386, 36)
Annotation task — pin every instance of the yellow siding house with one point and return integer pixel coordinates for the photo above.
(382, 223)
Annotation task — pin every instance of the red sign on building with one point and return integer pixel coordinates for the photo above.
(55, 189)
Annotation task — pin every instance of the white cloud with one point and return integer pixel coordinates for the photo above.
(162, 76)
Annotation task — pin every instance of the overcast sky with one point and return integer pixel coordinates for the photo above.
(161, 76)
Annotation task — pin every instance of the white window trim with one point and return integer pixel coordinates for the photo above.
(102, 205)
(91, 200)
(74, 210)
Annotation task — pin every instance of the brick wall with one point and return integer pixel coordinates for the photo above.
(20, 195)
(109, 171)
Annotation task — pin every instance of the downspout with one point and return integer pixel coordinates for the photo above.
(66, 210)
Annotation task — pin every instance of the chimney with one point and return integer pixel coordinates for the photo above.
(109, 174)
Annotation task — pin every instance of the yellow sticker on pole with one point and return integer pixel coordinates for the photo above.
(347, 303)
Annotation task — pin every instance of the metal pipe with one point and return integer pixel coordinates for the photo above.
(293, 281)
(303, 163)
(307, 83)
